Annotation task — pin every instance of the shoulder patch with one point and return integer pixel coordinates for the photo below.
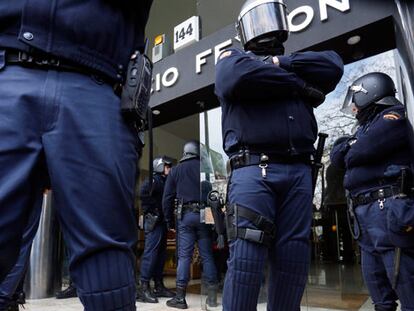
(225, 54)
(392, 115)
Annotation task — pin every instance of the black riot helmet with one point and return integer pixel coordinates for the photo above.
(262, 26)
(159, 163)
(373, 88)
(191, 150)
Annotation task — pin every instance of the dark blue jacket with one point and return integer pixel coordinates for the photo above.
(261, 105)
(183, 183)
(380, 146)
(99, 34)
(151, 201)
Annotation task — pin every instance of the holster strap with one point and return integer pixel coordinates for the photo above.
(264, 234)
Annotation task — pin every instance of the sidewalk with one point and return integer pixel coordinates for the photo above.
(193, 300)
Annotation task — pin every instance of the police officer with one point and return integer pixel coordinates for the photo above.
(153, 258)
(377, 160)
(59, 64)
(183, 185)
(269, 129)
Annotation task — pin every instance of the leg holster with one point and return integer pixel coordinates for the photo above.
(264, 234)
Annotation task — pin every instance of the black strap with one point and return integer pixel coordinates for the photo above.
(258, 220)
(253, 235)
(40, 60)
(373, 196)
(192, 207)
(247, 159)
(264, 234)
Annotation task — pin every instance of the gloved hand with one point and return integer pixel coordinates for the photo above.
(313, 95)
(263, 58)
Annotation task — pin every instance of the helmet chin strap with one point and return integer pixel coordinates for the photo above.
(267, 47)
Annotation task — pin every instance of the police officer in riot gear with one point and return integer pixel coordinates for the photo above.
(269, 129)
(153, 258)
(60, 76)
(183, 185)
(378, 178)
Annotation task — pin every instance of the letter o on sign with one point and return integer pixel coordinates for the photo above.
(170, 77)
(309, 13)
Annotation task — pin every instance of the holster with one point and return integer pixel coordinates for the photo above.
(150, 220)
(264, 234)
(216, 204)
(179, 209)
(136, 90)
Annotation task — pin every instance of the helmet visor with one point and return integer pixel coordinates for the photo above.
(266, 18)
(349, 107)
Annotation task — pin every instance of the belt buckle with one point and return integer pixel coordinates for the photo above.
(25, 57)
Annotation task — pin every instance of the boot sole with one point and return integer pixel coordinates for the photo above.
(177, 306)
(146, 301)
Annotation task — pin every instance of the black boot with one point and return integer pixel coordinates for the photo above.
(69, 292)
(212, 296)
(13, 306)
(145, 295)
(20, 298)
(179, 300)
(161, 291)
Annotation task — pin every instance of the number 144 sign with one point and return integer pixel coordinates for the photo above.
(186, 33)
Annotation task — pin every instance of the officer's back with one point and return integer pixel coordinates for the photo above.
(186, 176)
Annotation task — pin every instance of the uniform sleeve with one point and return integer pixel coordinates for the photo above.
(338, 154)
(322, 70)
(168, 197)
(241, 77)
(383, 137)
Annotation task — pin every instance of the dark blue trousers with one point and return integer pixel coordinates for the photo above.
(285, 197)
(155, 250)
(71, 122)
(16, 276)
(380, 235)
(190, 231)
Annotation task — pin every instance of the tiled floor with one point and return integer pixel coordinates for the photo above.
(330, 287)
(193, 301)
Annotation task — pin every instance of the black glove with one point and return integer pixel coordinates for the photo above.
(263, 58)
(313, 95)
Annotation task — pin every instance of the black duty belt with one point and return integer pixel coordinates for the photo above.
(247, 159)
(192, 207)
(373, 196)
(51, 62)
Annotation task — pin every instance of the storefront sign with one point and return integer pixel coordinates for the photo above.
(192, 68)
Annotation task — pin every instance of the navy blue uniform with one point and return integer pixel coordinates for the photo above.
(100, 34)
(72, 121)
(183, 183)
(264, 112)
(153, 258)
(373, 158)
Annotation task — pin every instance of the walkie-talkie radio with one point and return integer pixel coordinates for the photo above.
(137, 90)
